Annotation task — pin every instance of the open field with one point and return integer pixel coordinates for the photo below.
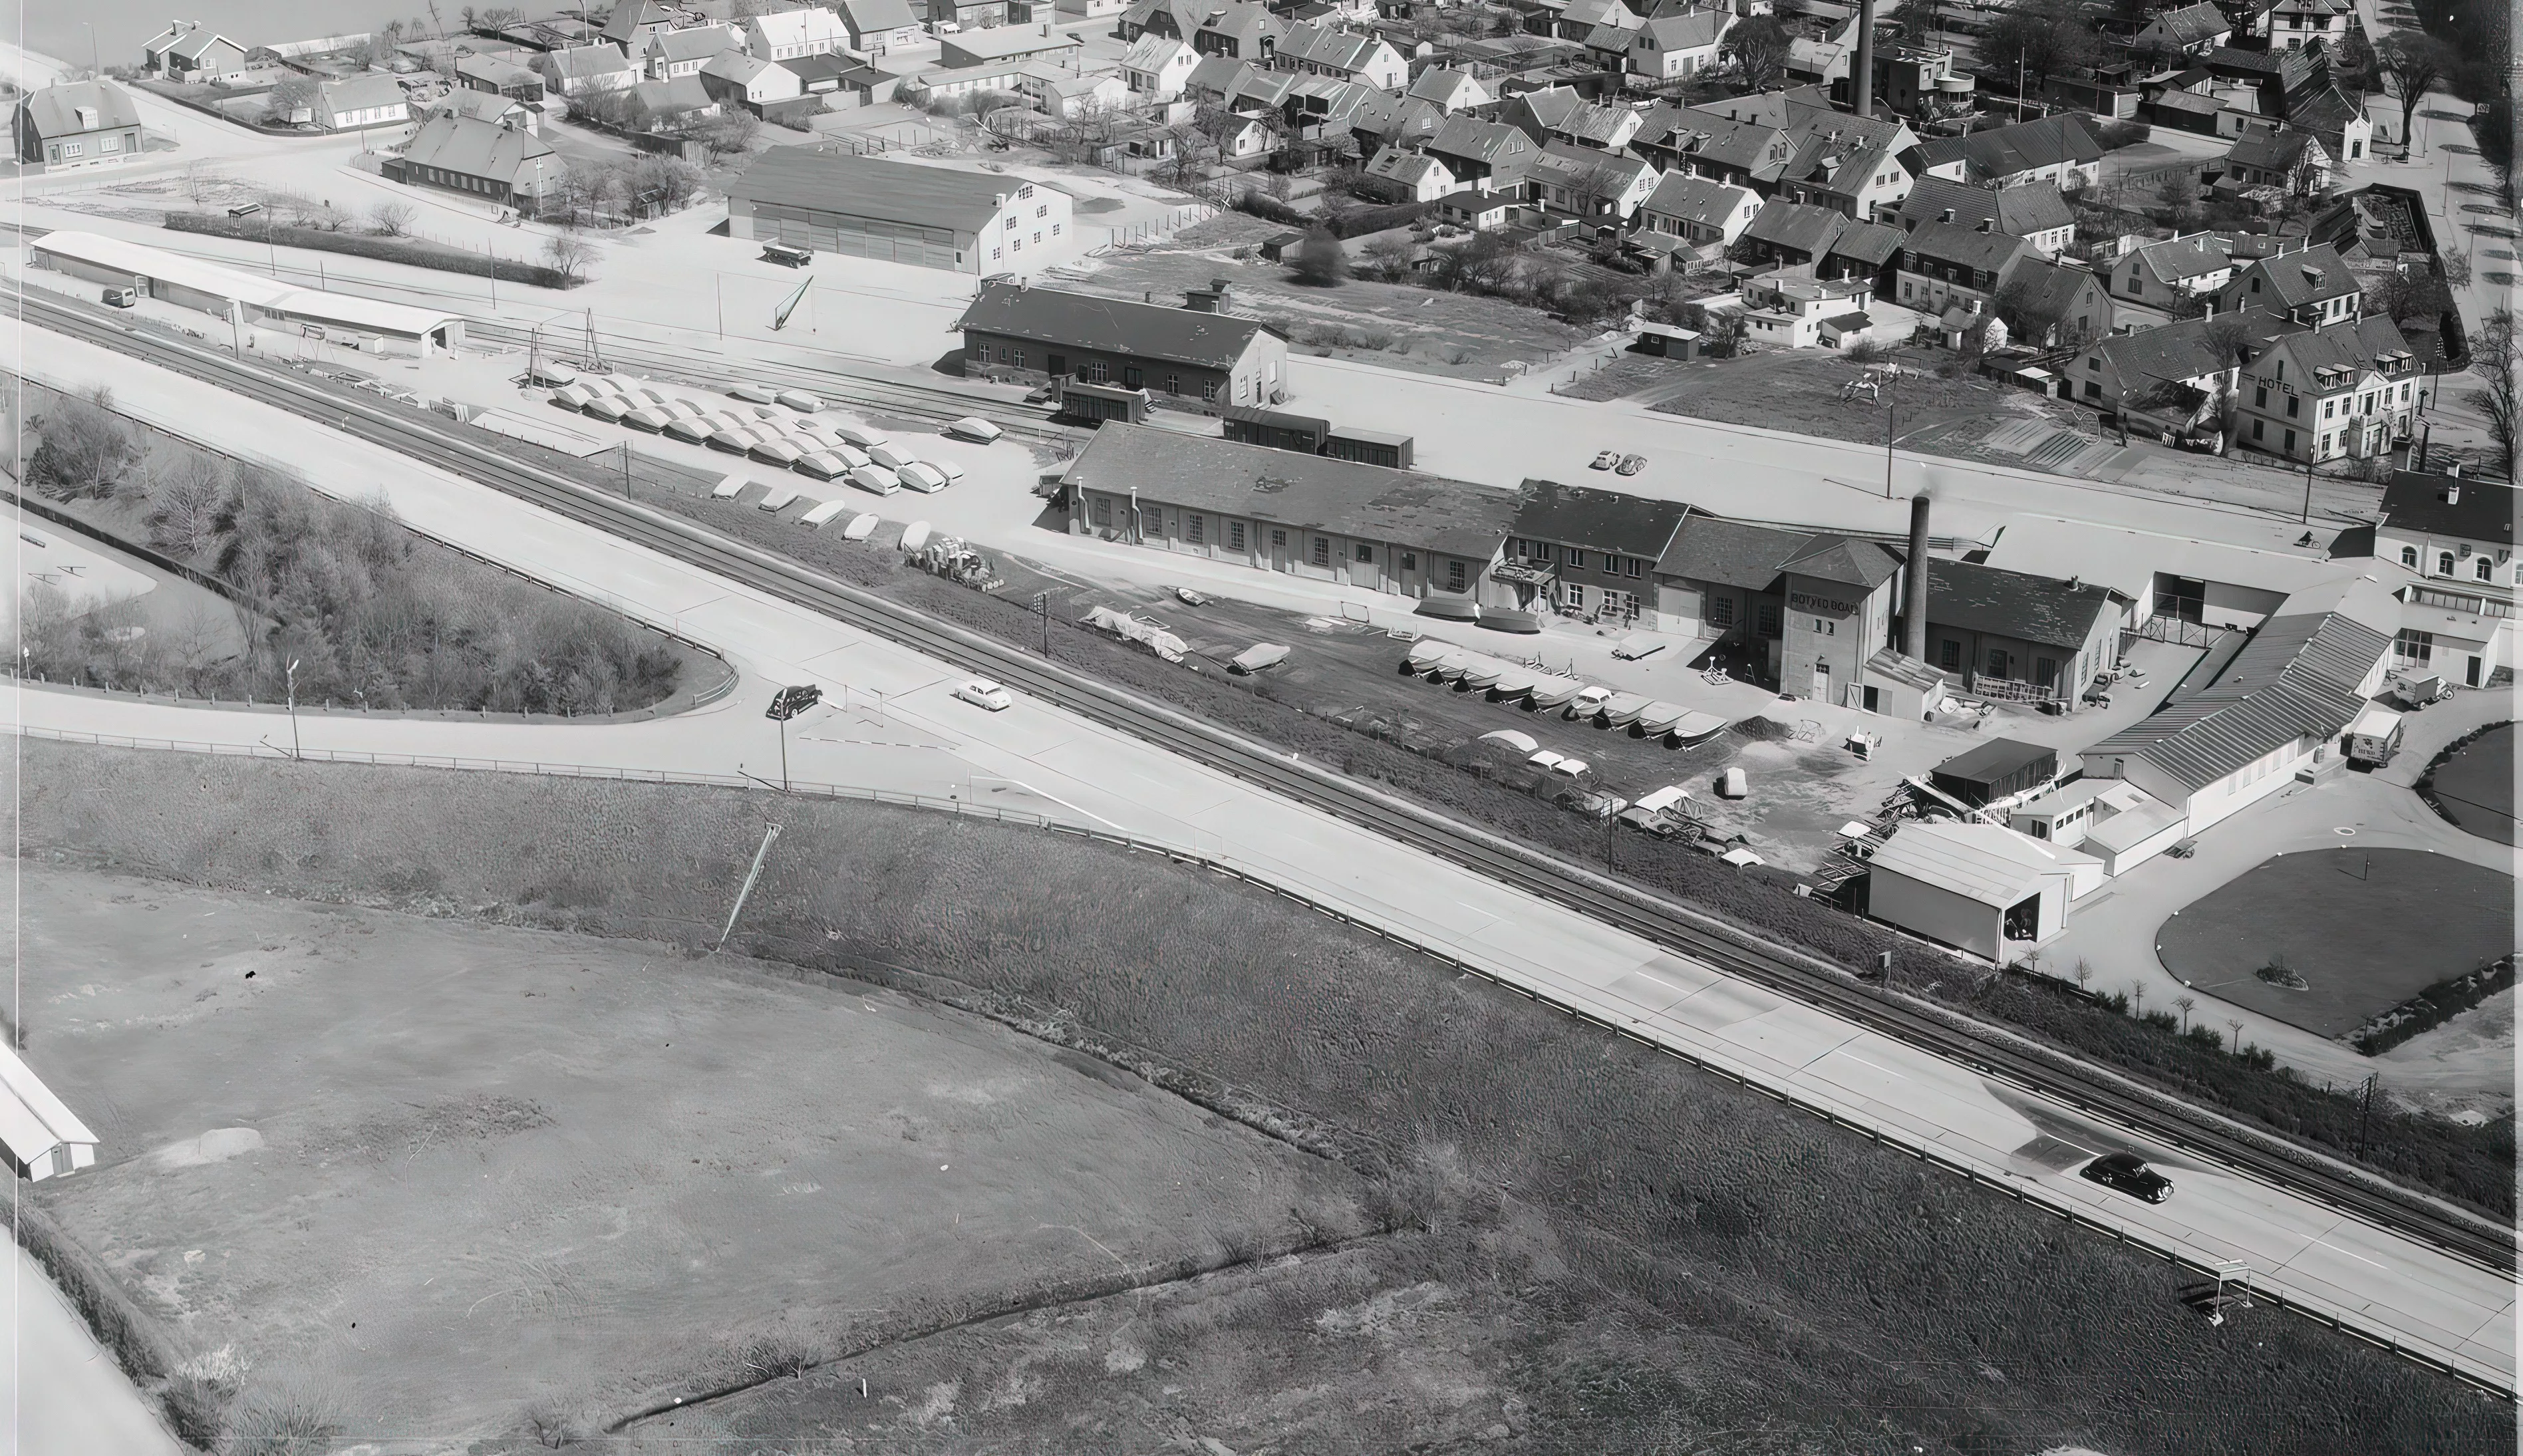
(1400, 326)
(2475, 787)
(1799, 389)
(1627, 1253)
(451, 1173)
(2364, 930)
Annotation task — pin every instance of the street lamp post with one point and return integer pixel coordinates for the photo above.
(297, 750)
(786, 704)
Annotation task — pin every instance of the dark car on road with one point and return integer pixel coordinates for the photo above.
(2129, 1172)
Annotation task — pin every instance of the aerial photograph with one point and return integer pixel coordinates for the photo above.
(1260, 728)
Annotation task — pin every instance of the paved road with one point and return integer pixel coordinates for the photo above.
(2415, 1294)
(61, 1394)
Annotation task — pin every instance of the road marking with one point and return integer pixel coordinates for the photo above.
(2351, 1253)
(1862, 1062)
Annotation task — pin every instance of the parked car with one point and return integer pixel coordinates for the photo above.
(1606, 460)
(1630, 464)
(985, 694)
(2128, 1173)
(1039, 394)
(121, 298)
(1652, 821)
(787, 255)
(2098, 698)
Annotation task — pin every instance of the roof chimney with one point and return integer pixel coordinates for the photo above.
(1988, 224)
(1947, 215)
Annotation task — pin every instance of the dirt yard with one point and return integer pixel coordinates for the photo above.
(1799, 389)
(1594, 1247)
(440, 1175)
(1397, 325)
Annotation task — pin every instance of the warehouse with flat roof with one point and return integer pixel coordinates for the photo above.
(243, 298)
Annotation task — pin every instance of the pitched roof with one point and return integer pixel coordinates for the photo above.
(496, 71)
(474, 148)
(2013, 604)
(2325, 111)
(1985, 251)
(1312, 492)
(1477, 140)
(2294, 279)
(2177, 258)
(2185, 349)
(1838, 166)
(2299, 677)
(1839, 558)
(1395, 165)
(1983, 861)
(2024, 146)
(2042, 291)
(478, 106)
(1336, 50)
(1696, 200)
(805, 26)
(2483, 510)
(1730, 554)
(1796, 226)
(54, 111)
(2365, 344)
(1608, 174)
(199, 42)
(695, 42)
(1446, 87)
(864, 15)
(874, 187)
(1871, 244)
(2271, 148)
(2192, 24)
(1688, 31)
(1151, 51)
(2036, 207)
(581, 61)
(684, 93)
(1756, 148)
(360, 93)
(1596, 520)
(1148, 331)
(628, 15)
(1241, 20)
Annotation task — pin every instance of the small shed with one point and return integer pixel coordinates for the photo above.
(44, 1138)
(1368, 447)
(1099, 402)
(1274, 249)
(1245, 423)
(1999, 769)
(1981, 887)
(1667, 341)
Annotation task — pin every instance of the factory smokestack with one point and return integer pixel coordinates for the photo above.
(1913, 609)
(1862, 72)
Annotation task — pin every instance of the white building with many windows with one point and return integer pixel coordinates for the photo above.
(2456, 535)
(2346, 392)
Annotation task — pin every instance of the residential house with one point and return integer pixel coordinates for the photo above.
(1919, 82)
(1407, 176)
(1560, 113)
(2299, 681)
(1672, 47)
(1008, 43)
(1587, 552)
(1742, 154)
(1580, 19)
(972, 15)
(1239, 86)
(2457, 535)
(1786, 234)
(2054, 305)
(187, 52)
(2311, 286)
(2015, 636)
(784, 36)
(1484, 156)
(76, 124)
(827, 73)
(2202, 356)
(491, 107)
(501, 165)
(878, 28)
(1239, 31)
(2266, 156)
(1068, 96)
(2172, 277)
(499, 77)
(1868, 251)
(1583, 183)
(663, 106)
(1794, 307)
(733, 77)
(896, 212)
(1311, 516)
(1697, 209)
(1944, 263)
(2188, 29)
(1448, 90)
(1195, 357)
(2037, 213)
(1475, 210)
(2347, 390)
(2057, 150)
(634, 23)
(1806, 110)
(2294, 25)
(579, 71)
(1368, 59)
(1854, 177)
(1174, 19)
(2338, 119)
(1156, 67)
(680, 53)
(355, 102)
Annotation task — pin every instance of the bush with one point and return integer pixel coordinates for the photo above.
(1320, 262)
(197, 1409)
(2114, 136)
(2432, 1008)
(85, 447)
(284, 1425)
(407, 251)
(1272, 209)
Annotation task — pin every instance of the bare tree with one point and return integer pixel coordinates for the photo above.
(568, 255)
(293, 95)
(2414, 61)
(1759, 46)
(2187, 1004)
(391, 219)
(2496, 357)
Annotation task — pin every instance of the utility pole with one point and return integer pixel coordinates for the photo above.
(2308, 484)
(1042, 609)
(2366, 1109)
(297, 750)
(786, 704)
(626, 470)
(1891, 402)
(593, 359)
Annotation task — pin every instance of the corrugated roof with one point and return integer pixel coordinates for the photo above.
(2015, 604)
(1987, 863)
(873, 187)
(1312, 492)
(1147, 331)
(1598, 520)
(2298, 678)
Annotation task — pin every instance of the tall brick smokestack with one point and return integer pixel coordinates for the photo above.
(1862, 75)
(1914, 605)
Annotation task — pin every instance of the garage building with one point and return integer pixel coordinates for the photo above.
(1982, 888)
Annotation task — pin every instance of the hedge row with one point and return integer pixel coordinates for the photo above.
(413, 251)
(2432, 1008)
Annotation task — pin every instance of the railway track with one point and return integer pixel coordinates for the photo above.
(891, 396)
(2155, 1116)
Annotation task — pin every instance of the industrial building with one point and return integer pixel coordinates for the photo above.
(246, 300)
(1979, 887)
(1394, 530)
(1195, 357)
(898, 211)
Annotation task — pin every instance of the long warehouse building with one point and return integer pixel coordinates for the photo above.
(232, 294)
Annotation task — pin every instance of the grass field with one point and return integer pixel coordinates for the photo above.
(1799, 389)
(2364, 930)
(435, 1175)
(2475, 787)
(1638, 1255)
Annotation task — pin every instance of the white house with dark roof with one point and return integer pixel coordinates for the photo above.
(2054, 149)
(78, 124)
(1698, 211)
(1157, 67)
(1483, 155)
(733, 76)
(670, 53)
(503, 165)
(1367, 59)
(1407, 176)
(1195, 357)
(579, 70)
(2293, 25)
(2166, 276)
(1449, 89)
(2456, 535)
(878, 28)
(898, 211)
(2187, 29)
(2204, 355)
(2348, 390)
(1944, 263)
(2037, 212)
(358, 102)
(487, 106)
(2311, 286)
(633, 21)
(2281, 156)
(1585, 183)
(188, 51)
(1560, 113)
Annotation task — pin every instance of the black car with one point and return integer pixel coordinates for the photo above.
(2129, 1172)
